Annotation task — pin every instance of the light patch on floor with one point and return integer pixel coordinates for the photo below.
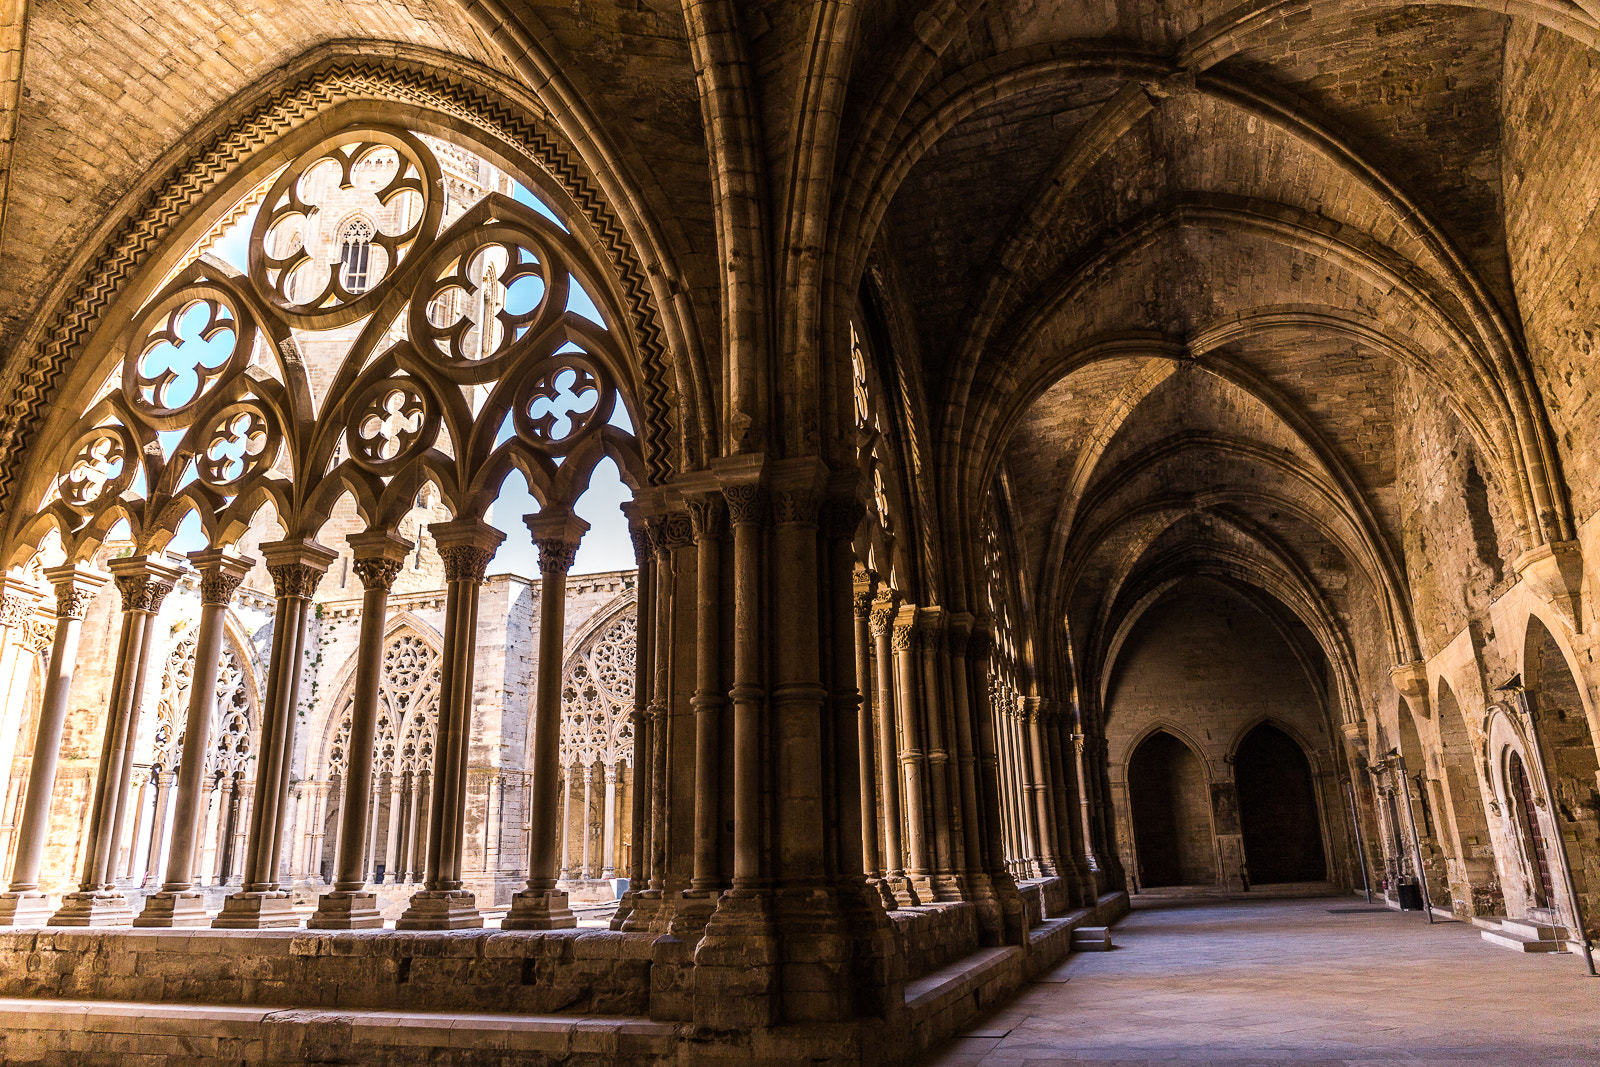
(1289, 982)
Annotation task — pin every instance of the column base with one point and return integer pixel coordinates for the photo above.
(441, 909)
(256, 911)
(24, 909)
(539, 909)
(885, 893)
(340, 910)
(736, 965)
(99, 908)
(165, 909)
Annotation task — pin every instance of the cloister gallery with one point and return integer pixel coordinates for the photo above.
(1070, 453)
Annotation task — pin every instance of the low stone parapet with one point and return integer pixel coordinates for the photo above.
(546, 972)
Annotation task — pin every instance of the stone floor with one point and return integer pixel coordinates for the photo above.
(1292, 982)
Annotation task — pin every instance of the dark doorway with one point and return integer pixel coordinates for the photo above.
(1278, 809)
(1171, 814)
(1528, 826)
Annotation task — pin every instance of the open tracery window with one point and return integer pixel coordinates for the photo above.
(597, 697)
(410, 348)
(408, 711)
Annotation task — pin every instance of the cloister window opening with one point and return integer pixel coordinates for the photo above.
(491, 412)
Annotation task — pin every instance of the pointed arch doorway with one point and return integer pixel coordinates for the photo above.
(1278, 809)
(1171, 805)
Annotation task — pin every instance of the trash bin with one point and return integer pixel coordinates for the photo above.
(1410, 896)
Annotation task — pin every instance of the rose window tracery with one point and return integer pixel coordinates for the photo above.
(597, 697)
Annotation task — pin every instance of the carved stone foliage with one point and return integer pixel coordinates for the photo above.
(233, 715)
(447, 347)
(408, 710)
(597, 697)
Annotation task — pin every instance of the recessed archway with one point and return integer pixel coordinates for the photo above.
(1171, 805)
(1278, 809)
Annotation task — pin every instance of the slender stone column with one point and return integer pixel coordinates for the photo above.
(874, 862)
(379, 555)
(144, 583)
(415, 841)
(936, 740)
(585, 823)
(736, 962)
(541, 906)
(566, 823)
(179, 903)
(906, 640)
(640, 721)
(1039, 786)
(136, 823)
(158, 829)
(210, 847)
(391, 847)
(296, 566)
(980, 650)
(26, 635)
(706, 514)
(854, 808)
(894, 863)
(466, 546)
(23, 904)
(957, 637)
(608, 840)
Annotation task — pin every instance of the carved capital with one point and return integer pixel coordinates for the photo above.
(295, 580)
(378, 573)
(556, 555)
(863, 604)
(465, 562)
(672, 531)
(217, 587)
(708, 516)
(747, 504)
(639, 534)
(142, 592)
(14, 610)
(882, 618)
(796, 507)
(37, 635)
(907, 636)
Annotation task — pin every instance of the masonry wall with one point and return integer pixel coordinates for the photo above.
(1207, 666)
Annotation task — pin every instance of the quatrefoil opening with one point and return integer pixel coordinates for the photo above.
(558, 408)
(339, 221)
(241, 442)
(101, 466)
(181, 349)
(392, 420)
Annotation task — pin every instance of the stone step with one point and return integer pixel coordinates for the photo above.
(1533, 931)
(1092, 939)
(1521, 944)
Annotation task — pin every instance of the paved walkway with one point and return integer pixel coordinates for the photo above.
(1290, 982)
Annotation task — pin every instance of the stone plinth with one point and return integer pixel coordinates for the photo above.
(338, 910)
(93, 909)
(169, 910)
(257, 911)
(24, 909)
(446, 909)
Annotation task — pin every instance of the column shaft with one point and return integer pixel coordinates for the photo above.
(541, 906)
(75, 588)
